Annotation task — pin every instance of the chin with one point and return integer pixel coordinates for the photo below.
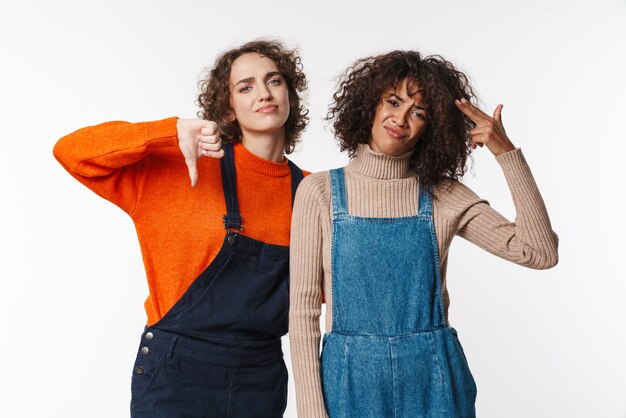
(270, 124)
(267, 128)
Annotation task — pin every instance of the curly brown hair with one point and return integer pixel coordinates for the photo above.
(214, 97)
(442, 150)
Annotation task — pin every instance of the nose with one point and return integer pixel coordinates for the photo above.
(400, 117)
(264, 92)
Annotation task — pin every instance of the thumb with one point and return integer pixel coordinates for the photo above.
(193, 170)
(497, 114)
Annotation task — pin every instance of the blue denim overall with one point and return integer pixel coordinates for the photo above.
(390, 352)
(217, 352)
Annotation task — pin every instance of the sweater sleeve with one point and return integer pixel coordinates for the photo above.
(306, 297)
(529, 241)
(110, 158)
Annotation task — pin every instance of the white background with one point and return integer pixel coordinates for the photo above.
(540, 344)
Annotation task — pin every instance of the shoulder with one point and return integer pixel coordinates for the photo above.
(315, 188)
(452, 189)
(315, 183)
(454, 197)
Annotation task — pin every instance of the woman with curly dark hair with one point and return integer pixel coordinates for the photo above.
(216, 252)
(372, 240)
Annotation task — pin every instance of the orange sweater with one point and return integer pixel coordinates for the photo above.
(139, 167)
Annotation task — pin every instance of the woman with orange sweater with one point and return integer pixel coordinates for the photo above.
(216, 252)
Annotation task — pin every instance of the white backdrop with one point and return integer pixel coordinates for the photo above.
(540, 344)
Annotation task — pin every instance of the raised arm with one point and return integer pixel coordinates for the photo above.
(530, 240)
(110, 158)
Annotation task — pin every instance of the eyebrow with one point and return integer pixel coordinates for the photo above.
(400, 99)
(251, 79)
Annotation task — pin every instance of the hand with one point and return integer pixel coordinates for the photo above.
(488, 131)
(198, 138)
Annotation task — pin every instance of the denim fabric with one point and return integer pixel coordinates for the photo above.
(390, 352)
(217, 352)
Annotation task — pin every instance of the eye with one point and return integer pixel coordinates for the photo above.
(245, 89)
(419, 115)
(392, 102)
(274, 82)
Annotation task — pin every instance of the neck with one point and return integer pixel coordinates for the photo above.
(381, 166)
(269, 146)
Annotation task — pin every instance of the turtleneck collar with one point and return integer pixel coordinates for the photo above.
(259, 165)
(380, 166)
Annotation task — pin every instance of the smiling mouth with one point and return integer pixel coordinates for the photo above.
(267, 109)
(396, 134)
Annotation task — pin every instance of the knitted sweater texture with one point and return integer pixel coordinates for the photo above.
(139, 167)
(382, 186)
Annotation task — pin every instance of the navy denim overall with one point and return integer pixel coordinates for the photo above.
(217, 352)
(390, 352)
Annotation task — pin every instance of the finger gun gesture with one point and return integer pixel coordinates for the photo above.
(488, 130)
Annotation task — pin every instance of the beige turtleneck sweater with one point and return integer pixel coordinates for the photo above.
(382, 186)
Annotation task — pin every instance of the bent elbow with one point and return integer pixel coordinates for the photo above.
(544, 259)
(62, 152)
(552, 253)
(551, 260)
(58, 150)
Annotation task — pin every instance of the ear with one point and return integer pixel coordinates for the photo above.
(230, 116)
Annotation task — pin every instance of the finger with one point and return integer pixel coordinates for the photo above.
(193, 170)
(481, 130)
(497, 114)
(214, 154)
(212, 139)
(498, 120)
(480, 140)
(207, 146)
(486, 132)
(475, 109)
(209, 128)
(471, 111)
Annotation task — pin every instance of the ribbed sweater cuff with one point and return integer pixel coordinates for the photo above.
(511, 161)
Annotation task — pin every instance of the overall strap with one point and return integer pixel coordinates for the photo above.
(338, 190)
(296, 177)
(425, 205)
(232, 219)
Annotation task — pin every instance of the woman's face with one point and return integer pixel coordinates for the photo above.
(400, 119)
(259, 98)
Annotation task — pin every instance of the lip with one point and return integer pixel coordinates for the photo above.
(395, 133)
(267, 109)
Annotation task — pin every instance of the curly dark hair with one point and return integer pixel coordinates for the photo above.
(442, 150)
(214, 97)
